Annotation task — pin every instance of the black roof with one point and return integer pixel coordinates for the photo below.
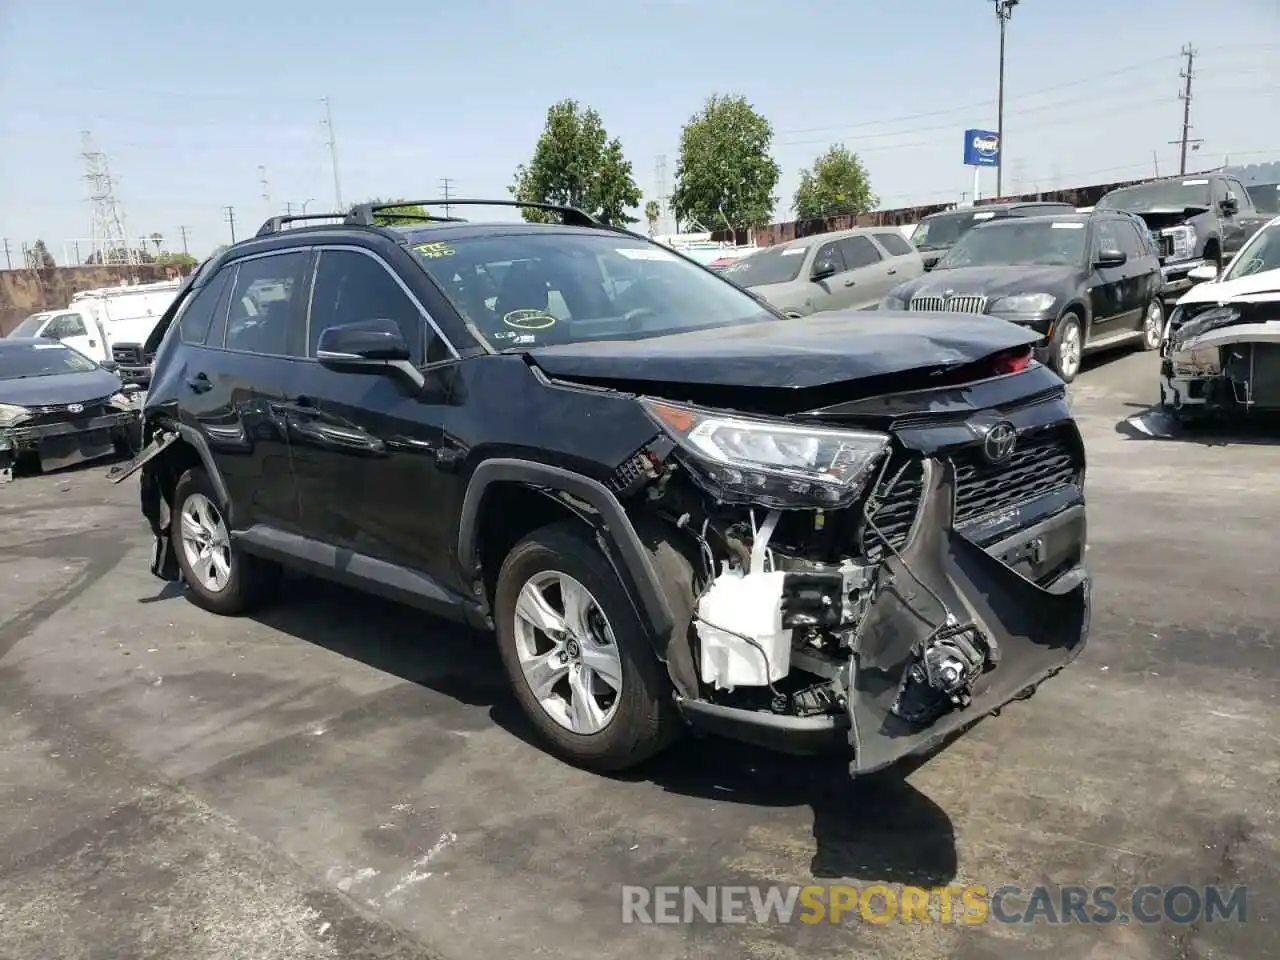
(1001, 205)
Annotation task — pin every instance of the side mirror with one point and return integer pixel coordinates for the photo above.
(109, 365)
(368, 346)
(822, 270)
(1230, 205)
(1110, 258)
(1204, 272)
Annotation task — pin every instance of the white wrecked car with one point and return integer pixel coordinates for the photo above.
(1221, 347)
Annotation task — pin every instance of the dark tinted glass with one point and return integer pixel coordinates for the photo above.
(894, 242)
(264, 315)
(200, 311)
(859, 252)
(41, 360)
(352, 287)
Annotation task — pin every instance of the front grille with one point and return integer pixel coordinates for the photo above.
(127, 353)
(1043, 461)
(965, 304)
(58, 413)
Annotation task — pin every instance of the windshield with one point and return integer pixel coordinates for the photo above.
(29, 326)
(1018, 242)
(771, 265)
(42, 360)
(939, 232)
(1261, 253)
(1265, 197)
(1148, 196)
(532, 289)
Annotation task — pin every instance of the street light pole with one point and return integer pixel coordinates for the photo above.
(1004, 10)
(304, 205)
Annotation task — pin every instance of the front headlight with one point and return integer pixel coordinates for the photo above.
(772, 463)
(1024, 303)
(11, 414)
(125, 400)
(893, 303)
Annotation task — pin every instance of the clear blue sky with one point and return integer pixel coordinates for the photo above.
(187, 100)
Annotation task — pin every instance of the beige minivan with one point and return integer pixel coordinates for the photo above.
(845, 270)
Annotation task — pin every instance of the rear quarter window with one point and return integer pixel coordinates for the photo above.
(894, 242)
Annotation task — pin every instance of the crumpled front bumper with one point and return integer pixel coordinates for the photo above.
(1033, 632)
(64, 442)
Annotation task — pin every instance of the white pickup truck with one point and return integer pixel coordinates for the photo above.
(107, 324)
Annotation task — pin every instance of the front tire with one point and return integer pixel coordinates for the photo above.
(576, 653)
(1067, 347)
(1153, 325)
(220, 576)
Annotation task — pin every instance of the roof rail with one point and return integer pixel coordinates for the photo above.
(365, 213)
(276, 224)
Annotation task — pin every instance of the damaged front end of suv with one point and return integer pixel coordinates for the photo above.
(878, 573)
(1223, 359)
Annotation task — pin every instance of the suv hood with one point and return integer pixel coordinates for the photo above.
(807, 352)
(997, 281)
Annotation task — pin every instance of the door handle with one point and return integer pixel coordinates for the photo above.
(850, 283)
(892, 271)
(199, 383)
(93, 343)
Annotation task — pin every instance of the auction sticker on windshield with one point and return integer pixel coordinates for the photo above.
(529, 320)
(1195, 183)
(645, 253)
(793, 251)
(1068, 226)
(983, 216)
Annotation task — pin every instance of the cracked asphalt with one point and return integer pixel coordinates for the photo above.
(344, 778)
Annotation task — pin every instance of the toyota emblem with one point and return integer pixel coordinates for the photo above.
(1000, 441)
(75, 408)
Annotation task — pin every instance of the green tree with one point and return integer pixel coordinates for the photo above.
(651, 213)
(41, 258)
(182, 260)
(836, 185)
(575, 163)
(403, 216)
(158, 240)
(726, 176)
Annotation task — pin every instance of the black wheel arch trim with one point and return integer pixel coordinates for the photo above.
(629, 556)
(201, 446)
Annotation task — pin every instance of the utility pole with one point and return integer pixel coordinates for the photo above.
(183, 230)
(1155, 160)
(288, 208)
(231, 219)
(1185, 96)
(1004, 10)
(445, 183)
(8, 260)
(333, 152)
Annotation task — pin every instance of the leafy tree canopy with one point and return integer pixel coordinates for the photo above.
(41, 257)
(575, 163)
(836, 185)
(726, 176)
(183, 260)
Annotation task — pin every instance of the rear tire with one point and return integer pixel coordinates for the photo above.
(592, 641)
(220, 577)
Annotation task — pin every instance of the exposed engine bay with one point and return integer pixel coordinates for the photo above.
(1223, 357)
(857, 602)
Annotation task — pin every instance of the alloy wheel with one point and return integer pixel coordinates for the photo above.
(1069, 351)
(206, 543)
(1153, 327)
(568, 652)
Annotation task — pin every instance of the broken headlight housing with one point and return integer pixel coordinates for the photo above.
(772, 463)
(11, 414)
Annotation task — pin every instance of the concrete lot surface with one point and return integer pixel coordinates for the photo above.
(343, 778)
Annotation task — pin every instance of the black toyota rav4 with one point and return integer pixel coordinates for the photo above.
(674, 506)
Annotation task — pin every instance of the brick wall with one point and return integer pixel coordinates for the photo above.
(24, 292)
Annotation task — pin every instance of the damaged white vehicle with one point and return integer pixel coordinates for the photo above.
(1221, 349)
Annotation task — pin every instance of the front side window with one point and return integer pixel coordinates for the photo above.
(352, 287)
(771, 265)
(1130, 241)
(533, 288)
(828, 259)
(265, 315)
(1262, 252)
(42, 360)
(1014, 241)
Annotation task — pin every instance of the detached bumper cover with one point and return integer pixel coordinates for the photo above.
(21, 436)
(1033, 632)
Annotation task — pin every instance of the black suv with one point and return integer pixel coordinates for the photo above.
(938, 232)
(674, 506)
(1081, 282)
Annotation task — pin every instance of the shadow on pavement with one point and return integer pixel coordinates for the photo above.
(876, 828)
(1156, 423)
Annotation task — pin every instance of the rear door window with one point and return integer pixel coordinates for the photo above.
(197, 316)
(265, 314)
(894, 242)
(858, 252)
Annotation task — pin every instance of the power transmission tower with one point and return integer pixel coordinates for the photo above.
(333, 152)
(231, 219)
(183, 230)
(445, 184)
(106, 222)
(1188, 75)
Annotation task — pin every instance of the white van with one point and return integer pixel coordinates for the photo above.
(127, 314)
